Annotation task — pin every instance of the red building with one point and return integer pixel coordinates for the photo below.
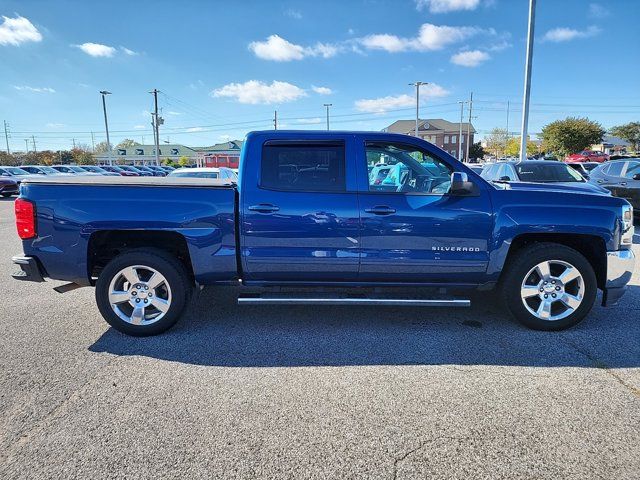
(221, 155)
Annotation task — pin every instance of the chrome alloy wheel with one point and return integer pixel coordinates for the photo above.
(139, 295)
(552, 290)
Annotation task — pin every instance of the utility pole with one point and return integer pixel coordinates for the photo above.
(106, 124)
(469, 124)
(74, 143)
(33, 139)
(527, 81)
(460, 134)
(6, 136)
(275, 119)
(507, 119)
(417, 85)
(158, 121)
(26, 145)
(327, 105)
(93, 143)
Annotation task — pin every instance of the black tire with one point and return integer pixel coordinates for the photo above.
(6, 195)
(519, 267)
(175, 275)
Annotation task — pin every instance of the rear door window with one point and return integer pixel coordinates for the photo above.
(303, 167)
(615, 169)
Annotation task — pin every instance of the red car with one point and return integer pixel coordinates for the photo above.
(587, 156)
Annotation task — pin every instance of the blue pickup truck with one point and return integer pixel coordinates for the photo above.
(307, 223)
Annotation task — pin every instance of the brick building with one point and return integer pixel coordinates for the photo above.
(441, 133)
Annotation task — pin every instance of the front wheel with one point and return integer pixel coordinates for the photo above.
(549, 286)
(142, 293)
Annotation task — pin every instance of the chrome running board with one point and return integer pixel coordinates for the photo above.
(391, 302)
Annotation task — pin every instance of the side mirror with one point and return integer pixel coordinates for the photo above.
(636, 176)
(506, 178)
(460, 184)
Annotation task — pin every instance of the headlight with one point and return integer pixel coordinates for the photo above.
(627, 226)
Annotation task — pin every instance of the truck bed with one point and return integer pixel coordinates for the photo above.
(73, 213)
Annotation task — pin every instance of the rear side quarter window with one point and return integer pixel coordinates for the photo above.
(303, 167)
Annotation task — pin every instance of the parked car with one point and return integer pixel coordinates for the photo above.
(8, 186)
(222, 173)
(587, 156)
(326, 225)
(42, 170)
(621, 177)
(167, 168)
(161, 172)
(584, 168)
(540, 171)
(16, 173)
(131, 168)
(149, 170)
(476, 168)
(73, 170)
(99, 170)
(119, 171)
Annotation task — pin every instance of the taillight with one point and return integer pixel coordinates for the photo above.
(25, 218)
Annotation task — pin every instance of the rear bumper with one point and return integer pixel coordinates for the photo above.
(620, 265)
(29, 269)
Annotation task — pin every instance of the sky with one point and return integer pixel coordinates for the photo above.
(224, 67)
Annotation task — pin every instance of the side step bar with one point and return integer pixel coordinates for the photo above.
(393, 302)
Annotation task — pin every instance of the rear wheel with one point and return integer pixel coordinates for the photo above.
(549, 287)
(142, 293)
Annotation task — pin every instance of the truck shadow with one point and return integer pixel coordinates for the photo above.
(217, 332)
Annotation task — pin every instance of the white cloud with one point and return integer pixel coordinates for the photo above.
(322, 90)
(391, 102)
(598, 11)
(309, 121)
(139, 127)
(470, 58)
(26, 88)
(128, 51)
(224, 138)
(194, 129)
(278, 49)
(97, 49)
(257, 92)
(296, 14)
(564, 34)
(444, 6)
(18, 30)
(430, 37)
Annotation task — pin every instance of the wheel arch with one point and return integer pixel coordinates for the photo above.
(105, 245)
(592, 247)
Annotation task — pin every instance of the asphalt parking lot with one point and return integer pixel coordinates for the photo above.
(323, 392)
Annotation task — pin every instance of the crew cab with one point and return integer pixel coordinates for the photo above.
(311, 222)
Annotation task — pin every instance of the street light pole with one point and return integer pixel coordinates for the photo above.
(460, 134)
(104, 93)
(327, 105)
(417, 85)
(527, 81)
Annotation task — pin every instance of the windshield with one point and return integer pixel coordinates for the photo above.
(542, 173)
(16, 171)
(76, 169)
(93, 169)
(48, 170)
(195, 174)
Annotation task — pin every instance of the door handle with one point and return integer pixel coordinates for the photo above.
(623, 183)
(600, 181)
(264, 208)
(380, 210)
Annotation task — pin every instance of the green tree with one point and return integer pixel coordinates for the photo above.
(497, 141)
(127, 143)
(183, 161)
(8, 159)
(101, 147)
(476, 150)
(571, 135)
(513, 147)
(629, 132)
(82, 156)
